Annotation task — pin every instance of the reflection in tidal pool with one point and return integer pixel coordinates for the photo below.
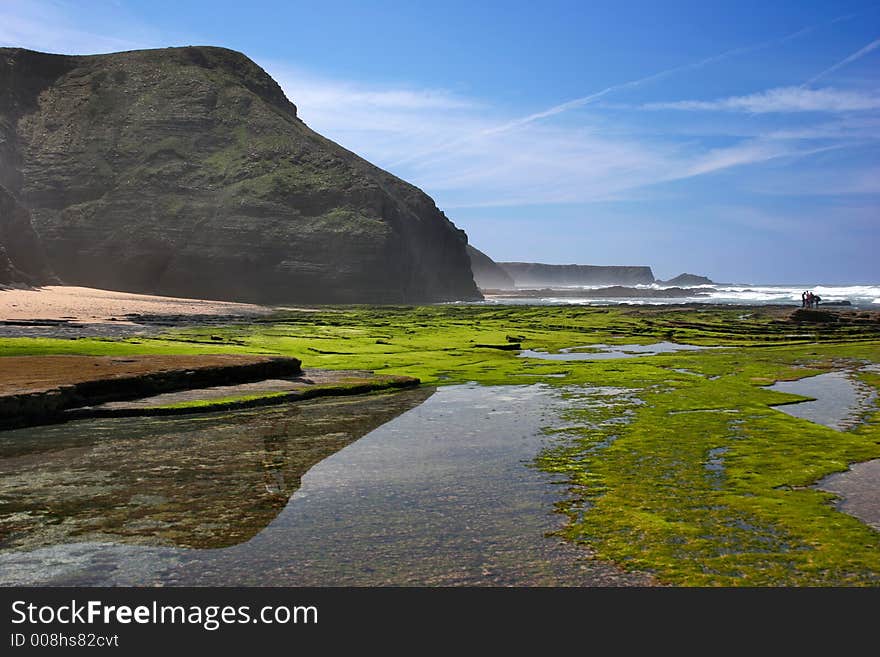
(859, 491)
(206, 481)
(441, 493)
(838, 400)
(611, 352)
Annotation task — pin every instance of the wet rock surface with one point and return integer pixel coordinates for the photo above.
(311, 383)
(122, 327)
(37, 389)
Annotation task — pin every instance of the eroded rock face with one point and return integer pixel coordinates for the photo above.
(186, 172)
(22, 260)
(487, 273)
(538, 274)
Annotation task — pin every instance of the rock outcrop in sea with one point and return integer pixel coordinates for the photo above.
(187, 172)
(687, 280)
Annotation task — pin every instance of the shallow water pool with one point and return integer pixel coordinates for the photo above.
(403, 489)
(605, 352)
(838, 400)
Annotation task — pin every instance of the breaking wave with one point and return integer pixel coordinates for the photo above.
(859, 296)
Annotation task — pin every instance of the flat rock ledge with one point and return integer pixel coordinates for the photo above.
(41, 389)
(48, 389)
(311, 384)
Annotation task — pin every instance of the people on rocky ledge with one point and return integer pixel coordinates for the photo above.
(810, 300)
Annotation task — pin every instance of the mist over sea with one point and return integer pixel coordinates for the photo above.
(859, 296)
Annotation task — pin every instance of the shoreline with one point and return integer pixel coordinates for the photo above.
(70, 312)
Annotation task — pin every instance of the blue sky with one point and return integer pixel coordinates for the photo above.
(735, 139)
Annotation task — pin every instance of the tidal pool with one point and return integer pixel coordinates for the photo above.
(396, 489)
(859, 491)
(838, 400)
(204, 481)
(605, 352)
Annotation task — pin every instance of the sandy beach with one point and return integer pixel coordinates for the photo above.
(89, 305)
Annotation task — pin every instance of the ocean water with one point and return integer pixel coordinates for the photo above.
(860, 296)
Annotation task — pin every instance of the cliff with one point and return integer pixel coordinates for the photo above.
(186, 172)
(531, 274)
(21, 256)
(487, 273)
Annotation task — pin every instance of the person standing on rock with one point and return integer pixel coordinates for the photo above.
(804, 299)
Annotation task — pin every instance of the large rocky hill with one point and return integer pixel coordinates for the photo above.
(186, 172)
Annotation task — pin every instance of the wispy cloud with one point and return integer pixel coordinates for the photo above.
(589, 99)
(863, 128)
(855, 56)
(750, 152)
(382, 123)
(782, 99)
(536, 163)
(836, 182)
(468, 152)
(692, 66)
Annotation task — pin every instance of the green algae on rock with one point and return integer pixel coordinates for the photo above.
(702, 483)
